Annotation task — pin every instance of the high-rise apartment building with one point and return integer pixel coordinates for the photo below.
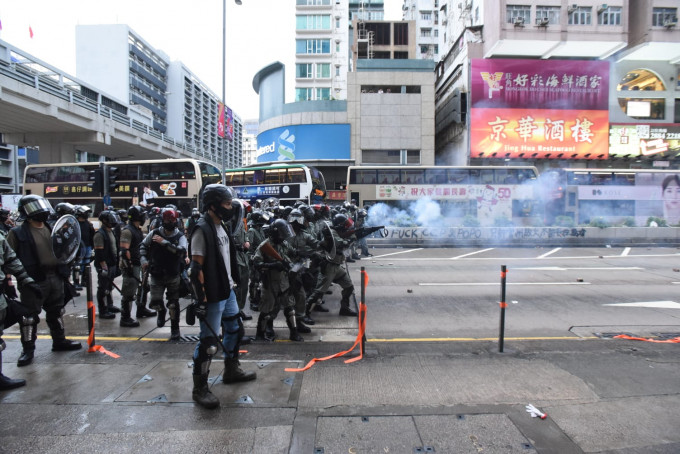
(163, 94)
(429, 36)
(321, 49)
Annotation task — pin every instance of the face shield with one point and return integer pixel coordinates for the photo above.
(38, 206)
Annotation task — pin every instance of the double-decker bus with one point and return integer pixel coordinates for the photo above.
(175, 181)
(286, 182)
(614, 196)
(493, 195)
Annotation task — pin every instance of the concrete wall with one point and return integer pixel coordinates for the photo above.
(102, 58)
(527, 236)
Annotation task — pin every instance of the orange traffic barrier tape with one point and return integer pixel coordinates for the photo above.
(675, 340)
(100, 349)
(503, 305)
(91, 347)
(357, 341)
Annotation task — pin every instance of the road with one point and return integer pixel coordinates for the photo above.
(551, 293)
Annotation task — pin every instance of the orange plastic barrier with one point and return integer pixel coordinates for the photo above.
(675, 340)
(359, 340)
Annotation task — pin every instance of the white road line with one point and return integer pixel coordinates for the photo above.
(461, 284)
(625, 252)
(471, 253)
(509, 259)
(395, 253)
(549, 253)
(650, 304)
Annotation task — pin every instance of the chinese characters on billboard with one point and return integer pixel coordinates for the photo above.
(220, 120)
(630, 140)
(555, 109)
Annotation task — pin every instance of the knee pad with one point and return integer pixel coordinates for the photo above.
(157, 305)
(208, 348)
(173, 308)
(2, 345)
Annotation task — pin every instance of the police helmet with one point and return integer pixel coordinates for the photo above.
(280, 230)
(169, 218)
(307, 212)
(342, 223)
(34, 207)
(108, 218)
(122, 214)
(136, 213)
(296, 217)
(64, 208)
(83, 211)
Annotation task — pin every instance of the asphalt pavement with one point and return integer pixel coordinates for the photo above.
(599, 394)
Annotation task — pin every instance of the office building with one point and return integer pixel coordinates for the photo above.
(163, 94)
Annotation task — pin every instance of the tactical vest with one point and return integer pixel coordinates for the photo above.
(137, 238)
(28, 254)
(109, 257)
(163, 262)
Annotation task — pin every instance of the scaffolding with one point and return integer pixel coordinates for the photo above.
(365, 38)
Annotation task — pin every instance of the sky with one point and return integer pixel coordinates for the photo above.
(258, 33)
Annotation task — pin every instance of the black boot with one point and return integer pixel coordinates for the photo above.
(29, 334)
(65, 345)
(143, 312)
(126, 319)
(201, 392)
(269, 333)
(161, 312)
(103, 308)
(234, 374)
(261, 326)
(9, 383)
(245, 317)
(289, 313)
(113, 309)
(301, 327)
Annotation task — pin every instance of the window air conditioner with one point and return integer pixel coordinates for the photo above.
(542, 21)
(670, 22)
(519, 22)
(573, 8)
(602, 8)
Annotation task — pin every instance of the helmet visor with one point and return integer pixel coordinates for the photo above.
(37, 206)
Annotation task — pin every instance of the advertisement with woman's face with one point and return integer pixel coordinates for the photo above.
(670, 194)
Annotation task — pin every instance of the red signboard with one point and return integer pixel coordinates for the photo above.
(336, 195)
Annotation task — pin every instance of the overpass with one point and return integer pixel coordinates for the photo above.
(43, 107)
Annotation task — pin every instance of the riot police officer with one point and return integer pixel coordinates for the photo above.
(32, 243)
(106, 263)
(164, 251)
(131, 237)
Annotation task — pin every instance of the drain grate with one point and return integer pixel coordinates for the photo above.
(419, 449)
(189, 338)
(666, 336)
(612, 335)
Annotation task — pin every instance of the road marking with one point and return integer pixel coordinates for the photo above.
(583, 257)
(472, 253)
(577, 268)
(395, 253)
(625, 252)
(549, 253)
(477, 339)
(498, 283)
(650, 304)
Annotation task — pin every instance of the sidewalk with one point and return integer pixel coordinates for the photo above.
(403, 397)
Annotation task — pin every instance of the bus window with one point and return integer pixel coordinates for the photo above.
(296, 176)
(258, 177)
(578, 178)
(435, 176)
(275, 176)
(473, 176)
(413, 176)
(388, 176)
(249, 177)
(233, 178)
(486, 176)
(525, 175)
(601, 178)
(127, 171)
(364, 177)
(458, 176)
(625, 179)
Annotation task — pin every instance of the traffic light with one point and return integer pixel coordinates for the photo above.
(110, 178)
(96, 180)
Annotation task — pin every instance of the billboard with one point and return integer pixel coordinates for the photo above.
(631, 140)
(304, 142)
(555, 109)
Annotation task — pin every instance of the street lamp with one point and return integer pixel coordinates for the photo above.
(224, 74)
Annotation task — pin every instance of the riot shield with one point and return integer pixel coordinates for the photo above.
(329, 246)
(65, 238)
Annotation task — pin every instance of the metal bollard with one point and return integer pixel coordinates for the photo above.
(362, 313)
(87, 277)
(504, 305)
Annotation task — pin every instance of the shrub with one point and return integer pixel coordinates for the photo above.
(628, 222)
(660, 222)
(564, 221)
(598, 222)
(501, 221)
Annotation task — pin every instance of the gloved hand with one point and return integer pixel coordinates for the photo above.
(201, 310)
(31, 292)
(104, 273)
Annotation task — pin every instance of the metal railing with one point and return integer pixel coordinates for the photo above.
(24, 68)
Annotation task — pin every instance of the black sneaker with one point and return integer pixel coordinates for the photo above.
(347, 312)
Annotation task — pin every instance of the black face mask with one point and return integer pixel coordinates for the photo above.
(169, 227)
(224, 213)
(41, 217)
